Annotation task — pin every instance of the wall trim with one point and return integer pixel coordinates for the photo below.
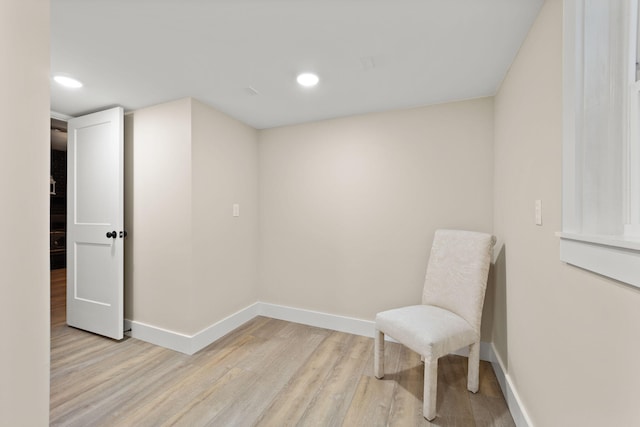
(59, 116)
(350, 325)
(618, 261)
(190, 344)
(223, 327)
(158, 336)
(514, 402)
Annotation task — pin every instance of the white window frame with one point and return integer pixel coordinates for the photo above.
(615, 255)
(632, 184)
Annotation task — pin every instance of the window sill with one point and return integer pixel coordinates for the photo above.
(610, 256)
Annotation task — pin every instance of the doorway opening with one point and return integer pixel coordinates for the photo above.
(58, 221)
(58, 195)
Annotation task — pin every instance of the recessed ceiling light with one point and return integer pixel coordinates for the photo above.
(67, 81)
(307, 79)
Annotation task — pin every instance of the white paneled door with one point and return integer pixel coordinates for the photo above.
(95, 223)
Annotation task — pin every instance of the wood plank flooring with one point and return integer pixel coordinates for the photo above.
(266, 373)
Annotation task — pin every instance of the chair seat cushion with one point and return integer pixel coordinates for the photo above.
(426, 329)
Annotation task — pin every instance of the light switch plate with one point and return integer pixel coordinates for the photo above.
(538, 212)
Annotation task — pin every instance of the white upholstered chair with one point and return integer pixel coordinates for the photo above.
(449, 317)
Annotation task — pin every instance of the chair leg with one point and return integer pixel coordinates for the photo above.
(378, 356)
(430, 389)
(473, 378)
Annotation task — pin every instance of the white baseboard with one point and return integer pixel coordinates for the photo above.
(350, 325)
(158, 336)
(190, 344)
(223, 327)
(516, 407)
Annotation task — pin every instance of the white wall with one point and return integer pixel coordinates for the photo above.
(24, 175)
(348, 207)
(571, 339)
(189, 263)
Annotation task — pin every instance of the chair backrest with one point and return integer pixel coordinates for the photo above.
(457, 273)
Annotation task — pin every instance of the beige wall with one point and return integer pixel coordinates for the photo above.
(225, 172)
(348, 207)
(571, 338)
(158, 252)
(24, 255)
(189, 263)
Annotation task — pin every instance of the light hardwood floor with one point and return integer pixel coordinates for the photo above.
(266, 373)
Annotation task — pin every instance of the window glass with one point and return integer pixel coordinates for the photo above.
(601, 147)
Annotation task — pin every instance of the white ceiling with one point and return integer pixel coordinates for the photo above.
(371, 55)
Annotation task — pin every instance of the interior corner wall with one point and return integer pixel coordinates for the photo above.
(570, 337)
(24, 256)
(188, 262)
(158, 196)
(224, 173)
(348, 207)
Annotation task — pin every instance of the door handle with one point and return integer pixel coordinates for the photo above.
(112, 234)
(122, 234)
